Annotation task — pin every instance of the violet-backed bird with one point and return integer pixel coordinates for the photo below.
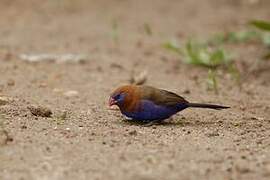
(151, 105)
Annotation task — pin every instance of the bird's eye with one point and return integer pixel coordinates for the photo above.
(117, 96)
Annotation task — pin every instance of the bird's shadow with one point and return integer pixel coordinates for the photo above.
(171, 123)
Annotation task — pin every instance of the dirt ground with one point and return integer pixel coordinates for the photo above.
(84, 139)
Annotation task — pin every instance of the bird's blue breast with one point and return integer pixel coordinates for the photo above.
(148, 111)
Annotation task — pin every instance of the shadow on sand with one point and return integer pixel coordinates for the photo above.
(169, 123)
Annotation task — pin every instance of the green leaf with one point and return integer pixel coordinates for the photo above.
(196, 54)
(217, 39)
(266, 39)
(260, 24)
(147, 29)
(172, 46)
(241, 36)
(199, 54)
(234, 37)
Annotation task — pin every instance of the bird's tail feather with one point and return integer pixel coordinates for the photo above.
(210, 106)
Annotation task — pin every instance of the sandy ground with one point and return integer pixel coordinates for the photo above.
(85, 140)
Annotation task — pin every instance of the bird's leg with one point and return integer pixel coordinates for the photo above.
(151, 123)
(125, 118)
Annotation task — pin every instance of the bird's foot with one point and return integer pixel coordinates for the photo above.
(151, 123)
(125, 118)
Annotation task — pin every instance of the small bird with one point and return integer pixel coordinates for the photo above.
(151, 105)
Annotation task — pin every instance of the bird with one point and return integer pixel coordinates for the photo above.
(151, 105)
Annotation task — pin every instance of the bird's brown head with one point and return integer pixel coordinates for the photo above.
(122, 95)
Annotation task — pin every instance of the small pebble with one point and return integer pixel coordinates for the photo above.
(4, 100)
(10, 82)
(23, 127)
(187, 91)
(4, 137)
(40, 111)
(71, 93)
(212, 134)
(133, 133)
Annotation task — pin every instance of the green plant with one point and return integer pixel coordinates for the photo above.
(260, 24)
(265, 38)
(205, 55)
(233, 37)
(173, 46)
(233, 71)
(212, 80)
(115, 31)
(147, 29)
(211, 54)
(266, 56)
(201, 54)
(61, 118)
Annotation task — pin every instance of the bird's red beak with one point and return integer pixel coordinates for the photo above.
(112, 102)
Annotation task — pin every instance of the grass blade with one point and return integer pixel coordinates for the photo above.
(147, 29)
(212, 80)
(172, 46)
(260, 24)
(267, 56)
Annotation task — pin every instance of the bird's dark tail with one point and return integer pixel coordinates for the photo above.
(210, 106)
